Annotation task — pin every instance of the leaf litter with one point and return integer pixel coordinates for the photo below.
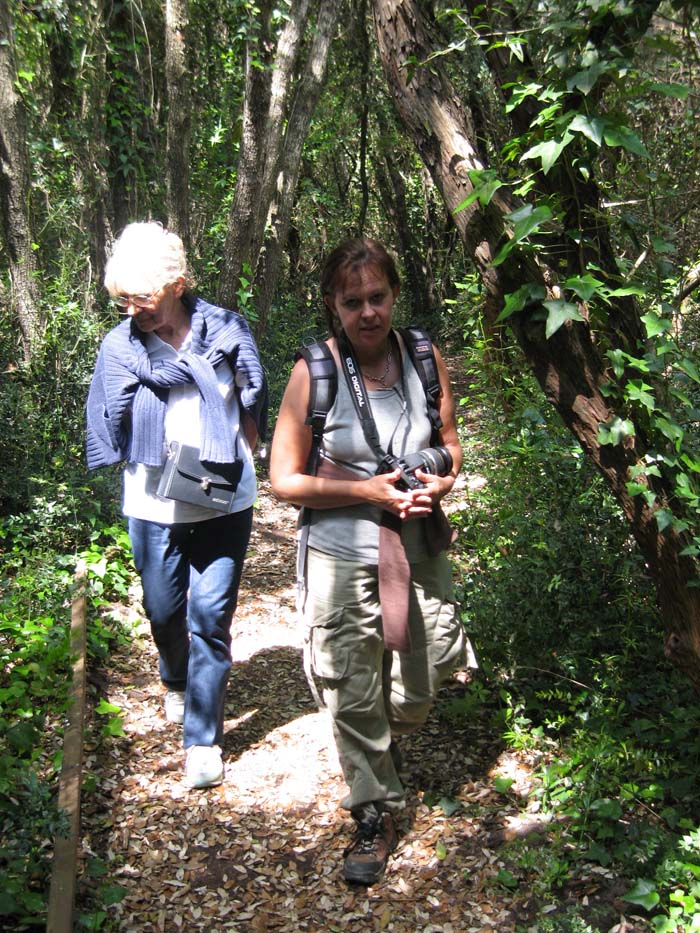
(264, 850)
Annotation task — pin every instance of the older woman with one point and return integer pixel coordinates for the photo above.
(376, 687)
(180, 377)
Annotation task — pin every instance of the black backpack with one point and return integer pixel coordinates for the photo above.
(324, 384)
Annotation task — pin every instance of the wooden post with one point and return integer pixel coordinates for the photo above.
(62, 895)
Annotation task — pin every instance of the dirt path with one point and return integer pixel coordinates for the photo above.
(263, 852)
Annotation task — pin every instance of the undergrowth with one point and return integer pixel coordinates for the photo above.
(40, 549)
(555, 598)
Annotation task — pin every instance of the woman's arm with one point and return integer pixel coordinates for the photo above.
(291, 446)
(436, 487)
(448, 432)
(250, 429)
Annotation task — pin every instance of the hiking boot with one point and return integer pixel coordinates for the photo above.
(203, 766)
(368, 853)
(175, 706)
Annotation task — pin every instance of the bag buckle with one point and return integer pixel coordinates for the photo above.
(205, 483)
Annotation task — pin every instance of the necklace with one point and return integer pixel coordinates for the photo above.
(381, 379)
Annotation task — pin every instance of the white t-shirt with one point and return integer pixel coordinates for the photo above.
(182, 423)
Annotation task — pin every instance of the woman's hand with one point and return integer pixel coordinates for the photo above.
(380, 490)
(422, 500)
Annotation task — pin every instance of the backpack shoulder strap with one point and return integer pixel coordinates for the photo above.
(420, 349)
(323, 388)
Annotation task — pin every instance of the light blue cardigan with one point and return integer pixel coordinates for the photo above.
(127, 399)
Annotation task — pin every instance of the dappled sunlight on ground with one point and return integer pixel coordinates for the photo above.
(264, 850)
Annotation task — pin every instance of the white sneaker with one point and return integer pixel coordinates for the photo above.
(175, 706)
(203, 766)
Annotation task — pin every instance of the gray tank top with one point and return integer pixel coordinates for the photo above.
(401, 416)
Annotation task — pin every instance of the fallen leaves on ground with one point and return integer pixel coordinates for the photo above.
(263, 851)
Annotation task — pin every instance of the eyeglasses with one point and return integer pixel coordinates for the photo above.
(138, 301)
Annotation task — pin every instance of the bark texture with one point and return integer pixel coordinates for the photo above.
(177, 76)
(15, 190)
(568, 365)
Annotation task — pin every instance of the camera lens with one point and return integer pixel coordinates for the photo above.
(437, 460)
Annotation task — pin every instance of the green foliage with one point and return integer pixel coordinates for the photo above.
(555, 599)
(29, 822)
(35, 669)
(594, 111)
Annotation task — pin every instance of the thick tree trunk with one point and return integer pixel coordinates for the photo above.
(177, 76)
(15, 188)
(567, 365)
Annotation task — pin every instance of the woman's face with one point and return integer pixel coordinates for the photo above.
(156, 313)
(363, 303)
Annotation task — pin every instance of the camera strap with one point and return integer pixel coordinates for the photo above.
(393, 569)
(360, 397)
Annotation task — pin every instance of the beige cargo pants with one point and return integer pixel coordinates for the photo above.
(374, 695)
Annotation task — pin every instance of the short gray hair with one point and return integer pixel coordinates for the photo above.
(145, 258)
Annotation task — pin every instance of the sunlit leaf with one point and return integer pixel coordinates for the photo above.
(626, 290)
(643, 893)
(638, 391)
(655, 325)
(591, 127)
(105, 709)
(486, 184)
(558, 313)
(526, 221)
(502, 783)
(548, 151)
(669, 429)
(626, 138)
(585, 286)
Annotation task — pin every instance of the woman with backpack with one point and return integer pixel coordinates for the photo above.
(382, 631)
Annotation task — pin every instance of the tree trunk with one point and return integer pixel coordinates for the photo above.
(177, 75)
(568, 365)
(282, 199)
(416, 289)
(15, 190)
(268, 84)
(91, 168)
(362, 41)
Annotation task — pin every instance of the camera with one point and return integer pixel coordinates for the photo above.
(436, 460)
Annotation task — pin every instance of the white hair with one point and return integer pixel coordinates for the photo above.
(145, 258)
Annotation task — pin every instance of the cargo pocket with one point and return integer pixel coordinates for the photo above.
(330, 657)
(448, 649)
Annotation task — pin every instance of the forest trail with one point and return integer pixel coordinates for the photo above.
(264, 851)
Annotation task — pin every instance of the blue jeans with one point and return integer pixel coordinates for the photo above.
(190, 574)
